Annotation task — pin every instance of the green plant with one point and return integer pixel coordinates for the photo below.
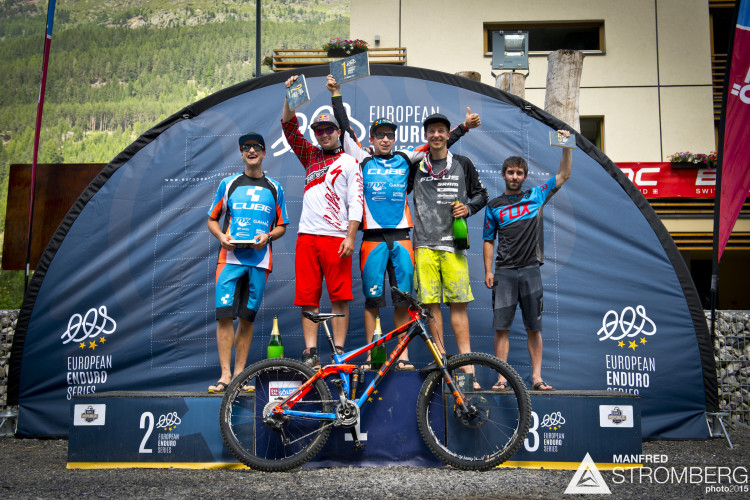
(348, 46)
(699, 159)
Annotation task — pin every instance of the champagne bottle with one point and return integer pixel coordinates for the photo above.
(460, 231)
(275, 346)
(377, 354)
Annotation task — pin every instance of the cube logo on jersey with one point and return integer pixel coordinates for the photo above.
(252, 192)
(279, 389)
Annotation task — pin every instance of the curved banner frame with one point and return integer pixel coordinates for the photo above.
(123, 297)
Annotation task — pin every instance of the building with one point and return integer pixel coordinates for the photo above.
(650, 87)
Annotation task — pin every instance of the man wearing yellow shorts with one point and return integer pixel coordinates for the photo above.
(446, 186)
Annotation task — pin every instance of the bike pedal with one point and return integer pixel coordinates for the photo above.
(357, 443)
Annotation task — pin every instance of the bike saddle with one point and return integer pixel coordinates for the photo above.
(320, 317)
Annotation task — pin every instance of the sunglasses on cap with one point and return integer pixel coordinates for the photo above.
(387, 135)
(325, 130)
(247, 147)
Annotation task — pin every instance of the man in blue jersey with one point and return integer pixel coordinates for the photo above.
(386, 246)
(254, 215)
(516, 218)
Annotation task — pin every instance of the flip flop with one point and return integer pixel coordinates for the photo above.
(247, 388)
(538, 386)
(500, 386)
(365, 366)
(405, 365)
(217, 388)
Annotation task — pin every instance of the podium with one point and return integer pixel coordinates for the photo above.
(181, 430)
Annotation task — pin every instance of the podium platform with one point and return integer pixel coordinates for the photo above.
(181, 430)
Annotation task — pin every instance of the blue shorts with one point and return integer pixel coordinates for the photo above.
(239, 290)
(518, 286)
(386, 253)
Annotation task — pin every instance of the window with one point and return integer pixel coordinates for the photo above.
(592, 128)
(544, 38)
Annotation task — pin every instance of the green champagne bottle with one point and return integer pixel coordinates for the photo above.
(460, 232)
(377, 354)
(275, 346)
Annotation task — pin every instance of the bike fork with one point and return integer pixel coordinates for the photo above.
(437, 355)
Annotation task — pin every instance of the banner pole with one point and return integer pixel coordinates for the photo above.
(37, 133)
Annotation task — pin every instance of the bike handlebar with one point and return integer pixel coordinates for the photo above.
(414, 305)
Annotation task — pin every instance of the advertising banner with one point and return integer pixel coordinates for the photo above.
(123, 298)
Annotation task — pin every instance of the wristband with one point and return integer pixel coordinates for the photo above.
(270, 238)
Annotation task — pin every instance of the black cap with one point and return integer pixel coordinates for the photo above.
(436, 118)
(252, 136)
(324, 118)
(382, 122)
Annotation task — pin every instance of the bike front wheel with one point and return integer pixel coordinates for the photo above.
(283, 442)
(496, 422)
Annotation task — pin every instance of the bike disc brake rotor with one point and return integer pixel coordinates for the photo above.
(478, 414)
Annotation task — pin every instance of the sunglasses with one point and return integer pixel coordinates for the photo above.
(247, 147)
(325, 130)
(388, 135)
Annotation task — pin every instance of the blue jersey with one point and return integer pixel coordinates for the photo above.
(250, 206)
(517, 222)
(385, 179)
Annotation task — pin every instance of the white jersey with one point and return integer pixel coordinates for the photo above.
(333, 186)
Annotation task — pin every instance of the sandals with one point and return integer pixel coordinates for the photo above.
(247, 388)
(217, 388)
(538, 386)
(405, 365)
(501, 386)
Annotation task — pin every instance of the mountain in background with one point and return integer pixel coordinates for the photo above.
(117, 68)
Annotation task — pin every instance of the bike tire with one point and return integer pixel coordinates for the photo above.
(255, 443)
(484, 440)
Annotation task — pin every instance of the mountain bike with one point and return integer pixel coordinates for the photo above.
(278, 413)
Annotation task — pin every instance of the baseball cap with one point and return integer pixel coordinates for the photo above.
(324, 118)
(382, 122)
(436, 118)
(252, 136)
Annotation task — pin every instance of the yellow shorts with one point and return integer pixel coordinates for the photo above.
(439, 274)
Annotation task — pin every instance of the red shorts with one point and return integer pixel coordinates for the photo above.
(317, 257)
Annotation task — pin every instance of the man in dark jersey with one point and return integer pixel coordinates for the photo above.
(516, 218)
(254, 214)
(446, 186)
(386, 246)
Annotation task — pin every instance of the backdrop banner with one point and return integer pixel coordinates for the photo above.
(123, 297)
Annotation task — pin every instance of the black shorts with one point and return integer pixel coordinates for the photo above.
(518, 286)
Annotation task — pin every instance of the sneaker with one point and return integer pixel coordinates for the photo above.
(311, 358)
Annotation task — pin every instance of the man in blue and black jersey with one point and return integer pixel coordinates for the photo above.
(515, 217)
(254, 215)
(386, 246)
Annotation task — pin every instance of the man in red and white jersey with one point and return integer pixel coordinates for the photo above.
(331, 213)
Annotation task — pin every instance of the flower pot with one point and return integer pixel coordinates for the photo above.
(686, 164)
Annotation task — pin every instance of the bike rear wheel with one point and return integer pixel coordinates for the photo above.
(497, 424)
(286, 443)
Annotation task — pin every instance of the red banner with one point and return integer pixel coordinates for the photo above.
(660, 180)
(735, 174)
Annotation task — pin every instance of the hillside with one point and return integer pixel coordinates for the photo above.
(119, 67)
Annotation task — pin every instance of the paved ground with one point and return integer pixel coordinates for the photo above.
(34, 468)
